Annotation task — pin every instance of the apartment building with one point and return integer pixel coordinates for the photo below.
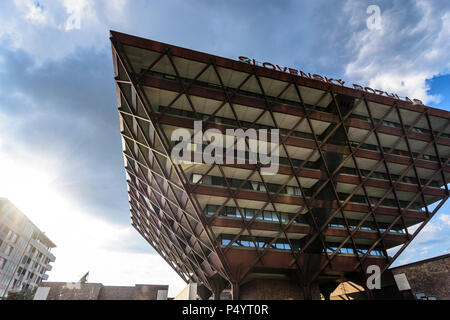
(25, 255)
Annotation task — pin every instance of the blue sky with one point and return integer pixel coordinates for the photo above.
(60, 149)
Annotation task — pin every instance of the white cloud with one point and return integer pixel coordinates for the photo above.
(34, 11)
(51, 30)
(84, 241)
(428, 233)
(445, 219)
(76, 9)
(412, 46)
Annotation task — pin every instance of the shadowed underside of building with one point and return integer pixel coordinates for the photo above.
(358, 173)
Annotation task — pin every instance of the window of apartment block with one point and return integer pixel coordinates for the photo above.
(13, 238)
(8, 250)
(2, 263)
(6, 230)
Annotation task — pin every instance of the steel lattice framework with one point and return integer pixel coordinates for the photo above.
(161, 87)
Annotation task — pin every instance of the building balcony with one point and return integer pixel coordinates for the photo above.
(41, 248)
(51, 257)
(45, 277)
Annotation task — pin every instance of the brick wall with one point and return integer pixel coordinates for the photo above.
(64, 291)
(97, 291)
(139, 292)
(431, 277)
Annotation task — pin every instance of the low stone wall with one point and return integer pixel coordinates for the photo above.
(269, 289)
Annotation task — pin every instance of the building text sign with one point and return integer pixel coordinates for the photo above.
(319, 77)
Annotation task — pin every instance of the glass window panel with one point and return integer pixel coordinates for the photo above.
(235, 183)
(196, 178)
(207, 180)
(290, 190)
(217, 181)
(212, 209)
(231, 211)
(249, 213)
(274, 216)
(268, 215)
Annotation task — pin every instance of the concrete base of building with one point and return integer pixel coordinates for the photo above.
(270, 289)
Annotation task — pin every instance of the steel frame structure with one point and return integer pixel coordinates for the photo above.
(164, 203)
